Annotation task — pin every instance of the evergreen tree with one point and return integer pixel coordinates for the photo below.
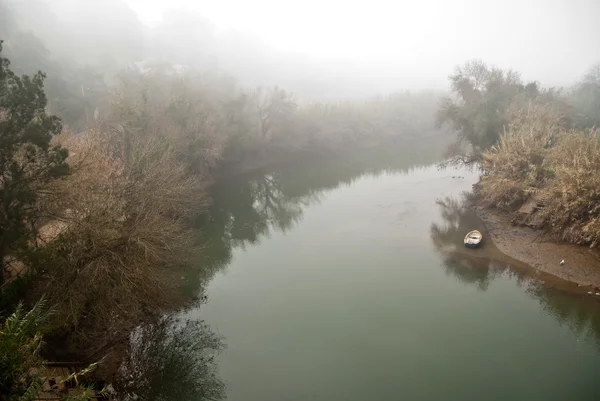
(27, 158)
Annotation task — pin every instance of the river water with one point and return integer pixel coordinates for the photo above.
(346, 280)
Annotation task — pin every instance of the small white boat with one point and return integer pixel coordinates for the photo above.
(473, 239)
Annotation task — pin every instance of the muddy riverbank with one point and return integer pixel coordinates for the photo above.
(533, 247)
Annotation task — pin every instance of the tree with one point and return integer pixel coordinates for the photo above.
(273, 107)
(120, 228)
(477, 114)
(27, 158)
(586, 99)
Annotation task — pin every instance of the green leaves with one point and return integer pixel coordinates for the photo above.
(20, 343)
(27, 158)
(480, 110)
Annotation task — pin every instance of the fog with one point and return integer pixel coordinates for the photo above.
(324, 49)
(143, 143)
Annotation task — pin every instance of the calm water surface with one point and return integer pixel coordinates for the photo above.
(347, 280)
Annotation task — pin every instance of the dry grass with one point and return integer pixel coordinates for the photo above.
(573, 211)
(514, 169)
(537, 152)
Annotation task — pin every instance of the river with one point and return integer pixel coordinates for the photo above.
(346, 280)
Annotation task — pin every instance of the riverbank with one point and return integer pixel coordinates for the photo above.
(533, 247)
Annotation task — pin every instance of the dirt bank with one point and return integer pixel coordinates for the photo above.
(582, 264)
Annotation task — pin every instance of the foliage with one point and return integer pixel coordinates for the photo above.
(484, 103)
(213, 124)
(20, 344)
(573, 210)
(514, 169)
(477, 113)
(13, 291)
(586, 99)
(183, 109)
(273, 107)
(519, 134)
(537, 154)
(173, 358)
(27, 160)
(485, 98)
(22, 367)
(117, 228)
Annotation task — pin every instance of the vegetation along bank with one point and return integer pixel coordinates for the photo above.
(539, 155)
(102, 189)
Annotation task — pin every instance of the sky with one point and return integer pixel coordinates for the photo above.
(551, 40)
(340, 47)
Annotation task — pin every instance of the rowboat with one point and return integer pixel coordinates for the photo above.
(473, 239)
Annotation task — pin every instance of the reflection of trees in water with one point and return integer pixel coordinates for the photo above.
(250, 207)
(469, 266)
(480, 272)
(274, 206)
(578, 312)
(172, 359)
(246, 210)
(481, 266)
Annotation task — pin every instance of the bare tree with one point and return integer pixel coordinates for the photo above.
(120, 231)
(273, 106)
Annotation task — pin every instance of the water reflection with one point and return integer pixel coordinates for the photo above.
(248, 208)
(483, 265)
(172, 359)
(580, 313)
(473, 266)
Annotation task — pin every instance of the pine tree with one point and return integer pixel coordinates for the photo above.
(27, 158)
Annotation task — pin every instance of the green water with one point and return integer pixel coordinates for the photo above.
(346, 280)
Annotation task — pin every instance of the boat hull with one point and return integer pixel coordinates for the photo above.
(473, 239)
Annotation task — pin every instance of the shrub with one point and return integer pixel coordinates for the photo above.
(117, 228)
(514, 168)
(573, 209)
(173, 358)
(20, 344)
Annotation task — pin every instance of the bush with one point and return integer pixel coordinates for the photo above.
(172, 358)
(573, 209)
(184, 110)
(119, 223)
(535, 154)
(586, 99)
(20, 344)
(514, 169)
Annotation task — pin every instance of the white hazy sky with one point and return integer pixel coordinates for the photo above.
(550, 40)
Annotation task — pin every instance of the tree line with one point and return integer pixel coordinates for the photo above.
(103, 177)
(98, 220)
